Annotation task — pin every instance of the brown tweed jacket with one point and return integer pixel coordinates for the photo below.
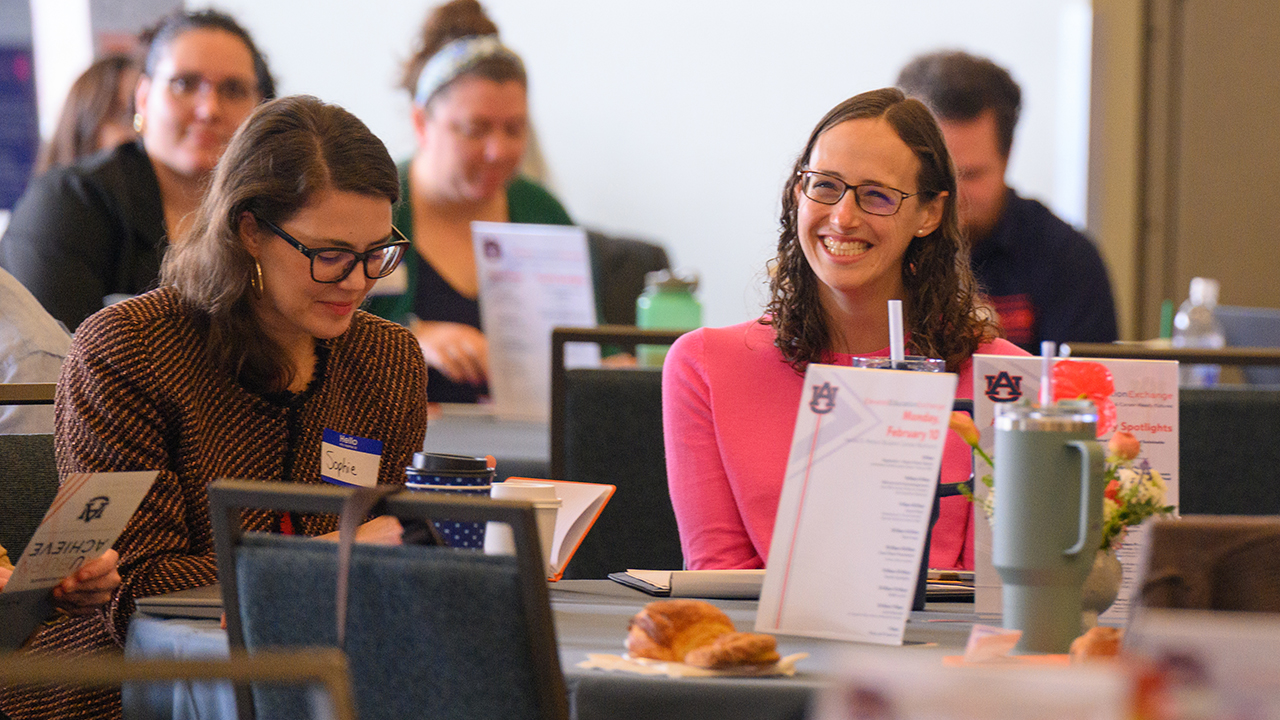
(137, 392)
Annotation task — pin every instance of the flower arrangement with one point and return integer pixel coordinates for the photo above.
(1134, 492)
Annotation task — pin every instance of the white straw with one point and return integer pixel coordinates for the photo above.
(896, 354)
(1047, 350)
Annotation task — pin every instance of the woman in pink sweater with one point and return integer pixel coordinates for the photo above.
(869, 215)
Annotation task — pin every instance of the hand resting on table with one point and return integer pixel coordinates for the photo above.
(459, 351)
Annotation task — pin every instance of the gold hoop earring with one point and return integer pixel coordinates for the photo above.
(255, 280)
(138, 122)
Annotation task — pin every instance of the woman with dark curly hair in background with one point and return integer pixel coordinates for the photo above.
(868, 215)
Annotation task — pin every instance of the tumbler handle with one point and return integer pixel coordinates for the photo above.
(1091, 466)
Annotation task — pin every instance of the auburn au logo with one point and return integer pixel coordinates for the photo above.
(824, 399)
(1003, 387)
(93, 509)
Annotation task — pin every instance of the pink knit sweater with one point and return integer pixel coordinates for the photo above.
(729, 405)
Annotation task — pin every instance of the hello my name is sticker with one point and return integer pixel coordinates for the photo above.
(349, 460)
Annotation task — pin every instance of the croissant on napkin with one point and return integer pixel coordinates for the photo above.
(697, 633)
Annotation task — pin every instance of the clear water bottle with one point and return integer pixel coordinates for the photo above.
(1196, 327)
(667, 303)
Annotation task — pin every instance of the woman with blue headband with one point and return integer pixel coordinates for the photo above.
(471, 121)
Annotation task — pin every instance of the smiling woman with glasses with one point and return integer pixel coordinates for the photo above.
(869, 215)
(252, 360)
(99, 229)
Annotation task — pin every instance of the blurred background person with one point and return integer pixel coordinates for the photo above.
(1045, 279)
(249, 351)
(471, 122)
(869, 215)
(32, 346)
(99, 228)
(97, 114)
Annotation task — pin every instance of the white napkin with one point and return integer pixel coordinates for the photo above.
(644, 666)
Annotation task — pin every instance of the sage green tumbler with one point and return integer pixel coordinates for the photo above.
(1049, 482)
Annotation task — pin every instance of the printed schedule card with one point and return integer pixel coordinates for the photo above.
(533, 278)
(855, 503)
(1144, 402)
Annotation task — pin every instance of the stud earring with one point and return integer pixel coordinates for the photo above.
(138, 122)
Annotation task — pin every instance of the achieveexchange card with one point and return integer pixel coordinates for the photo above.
(83, 522)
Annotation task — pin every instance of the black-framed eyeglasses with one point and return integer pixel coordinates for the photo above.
(333, 265)
(871, 197)
(231, 90)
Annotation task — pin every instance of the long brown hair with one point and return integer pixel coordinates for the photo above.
(93, 101)
(287, 152)
(943, 312)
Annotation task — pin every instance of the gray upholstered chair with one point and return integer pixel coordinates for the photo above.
(1252, 327)
(1228, 457)
(618, 267)
(30, 478)
(606, 427)
(1213, 563)
(431, 632)
(28, 486)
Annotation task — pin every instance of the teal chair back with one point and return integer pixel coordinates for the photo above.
(1252, 327)
(28, 486)
(431, 632)
(1228, 457)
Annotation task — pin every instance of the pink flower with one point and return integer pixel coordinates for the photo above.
(1124, 446)
(1112, 492)
(1079, 380)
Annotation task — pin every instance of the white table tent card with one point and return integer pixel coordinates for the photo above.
(855, 504)
(1146, 405)
(533, 278)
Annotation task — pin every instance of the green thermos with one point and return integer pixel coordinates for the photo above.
(667, 303)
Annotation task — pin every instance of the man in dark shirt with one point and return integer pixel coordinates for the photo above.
(1044, 278)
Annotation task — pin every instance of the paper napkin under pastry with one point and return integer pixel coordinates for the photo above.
(645, 666)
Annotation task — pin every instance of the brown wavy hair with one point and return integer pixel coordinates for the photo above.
(944, 313)
(446, 23)
(286, 152)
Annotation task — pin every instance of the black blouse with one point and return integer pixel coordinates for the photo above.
(88, 231)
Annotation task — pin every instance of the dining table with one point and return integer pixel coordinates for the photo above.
(520, 446)
(591, 617)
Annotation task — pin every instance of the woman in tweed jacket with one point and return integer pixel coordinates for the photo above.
(252, 347)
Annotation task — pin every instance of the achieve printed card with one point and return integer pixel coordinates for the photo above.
(855, 504)
(83, 522)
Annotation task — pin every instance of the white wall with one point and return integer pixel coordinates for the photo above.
(63, 45)
(677, 120)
